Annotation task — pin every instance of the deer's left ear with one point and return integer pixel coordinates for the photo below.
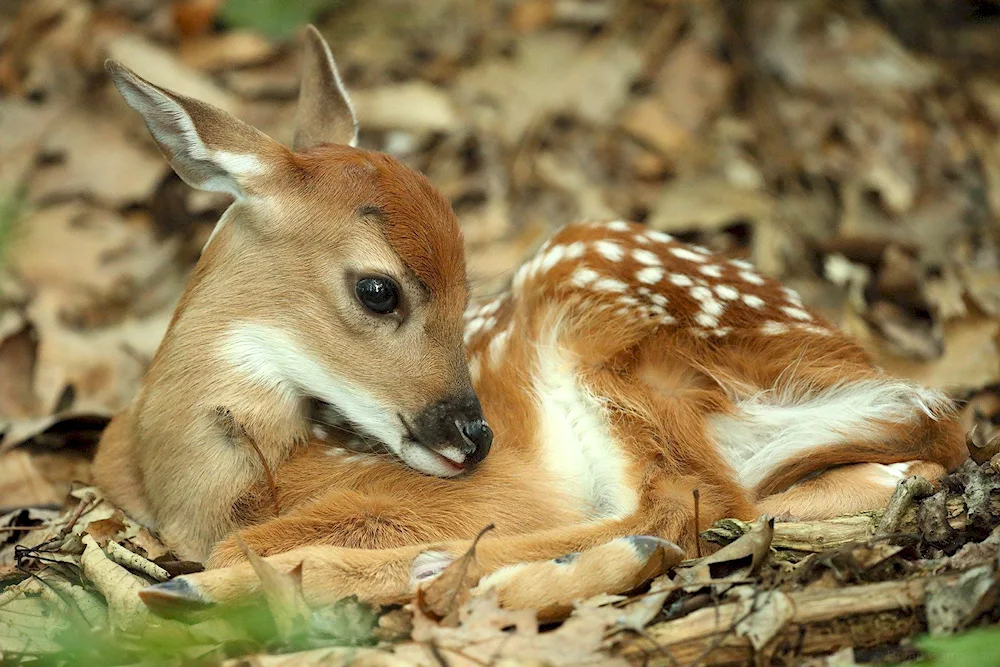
(325, 113)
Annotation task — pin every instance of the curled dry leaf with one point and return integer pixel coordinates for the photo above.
(445, 594)
(119, 587)
(735, 561)
(135, 562)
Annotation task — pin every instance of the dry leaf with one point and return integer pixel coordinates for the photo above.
(118, 586)
(134, 561)
(445, 594)
(735, 561)
(283, 592)
(414, 106)
(763, 615)
(104, 530)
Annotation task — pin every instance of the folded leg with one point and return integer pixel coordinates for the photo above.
(846, 489)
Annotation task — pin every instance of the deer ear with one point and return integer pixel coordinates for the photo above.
(207, 147)
(324, 113)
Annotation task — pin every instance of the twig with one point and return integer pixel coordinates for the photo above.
(697, 522)
(17, 528)
(267, 471)
(660, 648)
(908, 490)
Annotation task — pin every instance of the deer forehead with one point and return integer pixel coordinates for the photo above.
(414, 219)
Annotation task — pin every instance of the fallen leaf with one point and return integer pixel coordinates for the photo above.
(104, 530)
(89, 154)
(233, 49)
(736, 560)
(763, 616)
(445, 594)
(157, 64)
(119, 587)
(952, 608)
(283, 592)
(133, 561)
(413, 106)
(552, 72)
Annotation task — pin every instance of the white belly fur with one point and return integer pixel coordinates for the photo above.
(774, 426)
(578, 447)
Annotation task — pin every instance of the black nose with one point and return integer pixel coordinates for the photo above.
(476, 435)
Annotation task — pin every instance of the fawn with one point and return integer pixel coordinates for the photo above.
(325, 337)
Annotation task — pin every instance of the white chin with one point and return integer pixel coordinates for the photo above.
(420, 458)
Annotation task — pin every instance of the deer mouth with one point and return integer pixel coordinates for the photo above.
(330, 426)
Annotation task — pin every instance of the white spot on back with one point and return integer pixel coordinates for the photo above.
(792, 296)
(772, 328)
(575, 250)
(610, 250)
(609, 285)
(552, 257)
(646, 257)
(753, 301)
(751, 278)
(681, 280)
(619, 226)
(796, 313)
(689, 255)
(727, 292)
(659, 236)
(706, 320)
(583, 276)
(711, 270)
(498, 346)
(649, 275)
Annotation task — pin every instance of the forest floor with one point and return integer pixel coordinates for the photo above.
(851, 149)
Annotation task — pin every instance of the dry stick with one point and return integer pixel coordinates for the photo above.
(908, 490)
(697, 522)
(814, 611)
(267, 471)
(660, 648)
(85, 504)
(16, 528)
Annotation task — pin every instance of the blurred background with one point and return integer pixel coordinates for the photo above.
(849, 148)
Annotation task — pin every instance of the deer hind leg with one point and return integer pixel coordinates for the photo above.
(847, 489)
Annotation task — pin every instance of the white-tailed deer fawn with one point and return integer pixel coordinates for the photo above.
(321, 338)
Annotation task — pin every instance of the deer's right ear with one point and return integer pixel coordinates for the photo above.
(325, 113)
(207, 147)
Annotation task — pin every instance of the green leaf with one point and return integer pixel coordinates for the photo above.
(276, 19)
(348, 622)
(976, 648)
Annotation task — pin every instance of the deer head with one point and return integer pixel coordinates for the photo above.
(335, 282)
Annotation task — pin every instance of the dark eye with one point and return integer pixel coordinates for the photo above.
(379, 295)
